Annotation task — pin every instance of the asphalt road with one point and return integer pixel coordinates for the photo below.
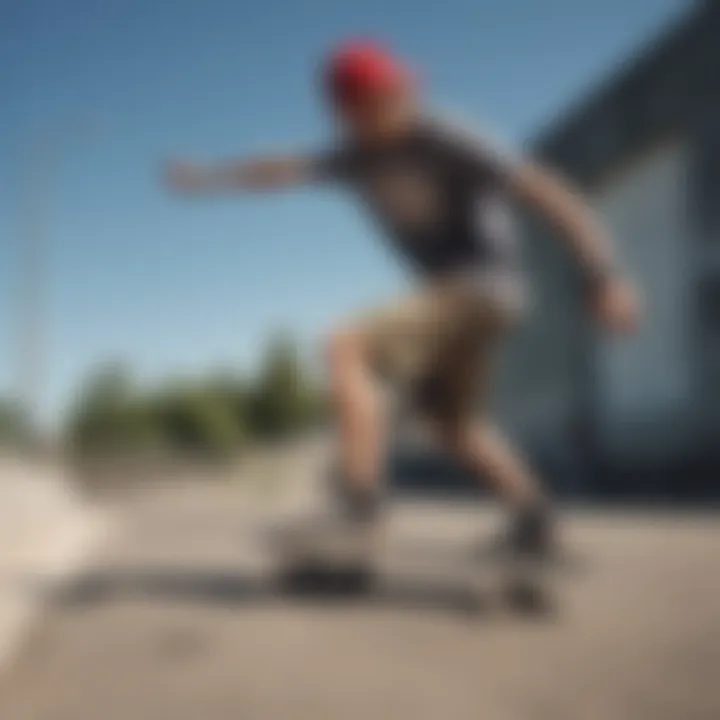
(177, 621)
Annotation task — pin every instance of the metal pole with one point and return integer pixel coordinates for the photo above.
(33, 281)
(45, 155)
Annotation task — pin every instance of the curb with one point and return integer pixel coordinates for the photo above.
(49, 536)
(25, 596)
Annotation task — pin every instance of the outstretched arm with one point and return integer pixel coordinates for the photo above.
(245, 175)
(613, 296)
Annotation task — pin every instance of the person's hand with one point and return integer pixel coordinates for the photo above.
(185, 177)
(616, 305)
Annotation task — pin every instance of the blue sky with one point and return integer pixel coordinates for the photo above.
(173, 286)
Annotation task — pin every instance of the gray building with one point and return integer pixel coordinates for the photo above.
(637, 417)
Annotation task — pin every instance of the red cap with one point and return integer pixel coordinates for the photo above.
(361, 69)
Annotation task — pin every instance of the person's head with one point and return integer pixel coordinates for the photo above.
(371, 92)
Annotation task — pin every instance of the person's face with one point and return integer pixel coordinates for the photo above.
(377, 118)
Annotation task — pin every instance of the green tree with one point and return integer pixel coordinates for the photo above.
(280, 402)
(108, 415)
(213, 416)
(14, 428)
(199, 420)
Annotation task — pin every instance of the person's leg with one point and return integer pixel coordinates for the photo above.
(455, 392)
(483, 449)
(398, 337)
(359, 414)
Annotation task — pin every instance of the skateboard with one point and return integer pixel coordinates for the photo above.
(325, 555)
(314, 557)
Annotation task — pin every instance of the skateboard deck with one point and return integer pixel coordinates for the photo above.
(325, 556)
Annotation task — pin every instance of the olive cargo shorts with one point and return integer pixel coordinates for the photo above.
(439, 341)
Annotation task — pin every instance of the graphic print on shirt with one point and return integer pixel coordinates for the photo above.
(406, 195)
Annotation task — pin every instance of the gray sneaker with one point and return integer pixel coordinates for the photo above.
(529, 536)
(532, 533)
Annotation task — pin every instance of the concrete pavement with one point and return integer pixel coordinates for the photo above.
(177, 621)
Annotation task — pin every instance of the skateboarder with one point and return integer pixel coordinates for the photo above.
(442, 196)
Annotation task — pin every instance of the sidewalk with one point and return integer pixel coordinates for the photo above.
(46, 532)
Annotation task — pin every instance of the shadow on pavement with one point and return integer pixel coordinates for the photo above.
(225, 588)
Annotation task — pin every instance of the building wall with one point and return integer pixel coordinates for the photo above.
(539, 400)
(646, 396)
(643, 419)
(646, 148)
(706, 200)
